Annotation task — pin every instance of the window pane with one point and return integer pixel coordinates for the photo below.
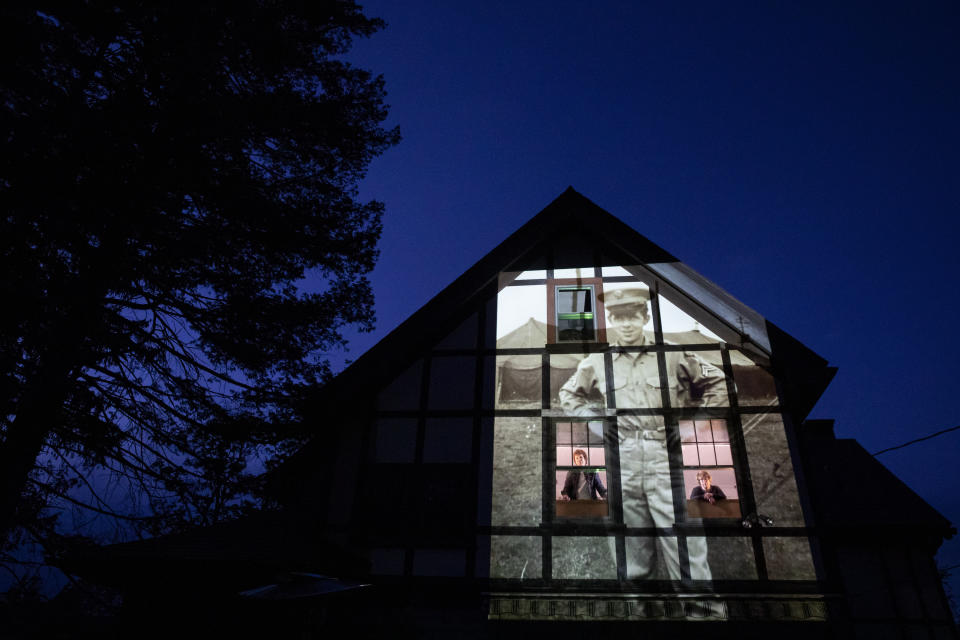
(723, 454)
(519, 382)
(686, 431)
(574, 300)
(723, 479)
(515, 556)
(720, 431)
(726, 479)
(581, 557)
(517, 485)
(578, 494)
(579, 272)
(448, 440)
(563, 433)
(690, 458)
(452, 382)
(731, 558)
(595, 457)
(755, 385)
(580, 433)
(681, 328)
(709, 383)
(574, 329)
(522, 317)
(707, 456)
(536, 274)
(789, 559)
(564, 456)
(609, 272)
(717, 497)
(703, 431)
(404, 392)
(595, 432)
(561, 478)
(463, 337)
(562, 367)
(396, 440)
(640, 550)
(771, 466)
(699, 566)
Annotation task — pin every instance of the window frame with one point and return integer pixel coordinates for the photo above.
(610, 467)
(733, 466)
(599, 314)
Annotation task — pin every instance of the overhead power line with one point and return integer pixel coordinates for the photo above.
(907, 444)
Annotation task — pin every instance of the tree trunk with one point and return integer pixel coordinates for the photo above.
(38, 413)
(18, 456)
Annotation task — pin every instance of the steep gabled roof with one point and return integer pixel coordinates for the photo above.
(562, 218)
(577, 232)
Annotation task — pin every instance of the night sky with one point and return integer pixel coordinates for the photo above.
(802, 156)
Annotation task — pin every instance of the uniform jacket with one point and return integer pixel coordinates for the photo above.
(691, 382)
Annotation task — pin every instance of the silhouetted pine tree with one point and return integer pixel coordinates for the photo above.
(170, 173)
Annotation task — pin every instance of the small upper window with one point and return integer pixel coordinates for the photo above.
(574, 310)
(576, 317)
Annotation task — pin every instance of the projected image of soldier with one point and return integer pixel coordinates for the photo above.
(582, 485)
(644, 463)
(707, 491)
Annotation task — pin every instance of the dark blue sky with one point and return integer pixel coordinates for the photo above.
(803, 156)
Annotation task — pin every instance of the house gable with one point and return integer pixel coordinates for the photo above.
(573, 232)
(437, 411)
(531, 445)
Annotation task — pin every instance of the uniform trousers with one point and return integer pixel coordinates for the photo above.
(648, 502)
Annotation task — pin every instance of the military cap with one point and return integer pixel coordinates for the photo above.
(623, 297)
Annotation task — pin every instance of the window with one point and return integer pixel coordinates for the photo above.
(574, 311)
(576, 321)
(709, 478)
(581, 474)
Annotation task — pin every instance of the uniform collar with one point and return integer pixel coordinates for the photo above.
(644, 344)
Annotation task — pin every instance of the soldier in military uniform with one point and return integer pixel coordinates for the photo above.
(644, 463)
